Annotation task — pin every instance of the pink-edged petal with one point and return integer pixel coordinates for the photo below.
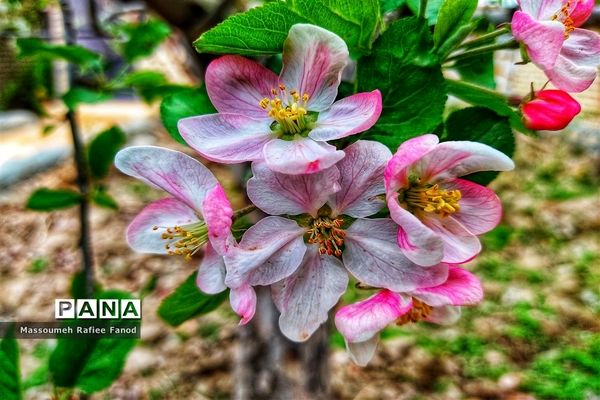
(211, 272)
(363, 320)
(243, 302)
(300, 156)
(313, 61)
(306, 297)
(361, 179)
(418, 243)
(577, 64)
(362, 352)
(445, 315)
(451, 159)
(174, 172)
(543, 39)
(541, 9)
(480, 208)
(226, 138)
(164, 213)
(372, 255)
(218, 215)
(460, 245)
(236, 85)
(460, 289)
(398, 168)
(276, 193)
(348, 116)
(269, 251)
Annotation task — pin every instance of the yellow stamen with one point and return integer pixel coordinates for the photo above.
(563, 16)
(430, 198)
(184, 240)
(288, 111)
(418, 312)
(328, 234)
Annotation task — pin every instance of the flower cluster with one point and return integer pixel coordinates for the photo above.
(399, 224)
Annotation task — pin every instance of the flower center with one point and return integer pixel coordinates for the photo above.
(563, 16)
(288, 110)
(430, 198)
(328, 234)
(184, 240)
(418, 312)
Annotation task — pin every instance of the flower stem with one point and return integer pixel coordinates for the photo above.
(244, 211)
(483, 50)
(422, 9)
(484, 38)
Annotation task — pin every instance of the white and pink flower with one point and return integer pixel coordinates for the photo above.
(283, 120)
(550, 31)
(305, 258)
(361, 322)
(196, 217)
(438, 214)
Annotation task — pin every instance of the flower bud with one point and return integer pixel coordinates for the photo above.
(581, 12)
(550, 110)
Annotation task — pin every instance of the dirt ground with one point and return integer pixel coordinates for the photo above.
(536, 335)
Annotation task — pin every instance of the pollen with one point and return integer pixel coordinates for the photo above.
(432, 199)
(418, 312)
(563, 16)
(327, 233)
(287, 108)
(184, 240)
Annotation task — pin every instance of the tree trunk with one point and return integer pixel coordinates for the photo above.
(269, 366)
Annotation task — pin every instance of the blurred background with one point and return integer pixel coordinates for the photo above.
(535, 336)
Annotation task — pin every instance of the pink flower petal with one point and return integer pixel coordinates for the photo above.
(300, 156)
(363, 320)
(243, 302)
(270, 250)
(398, 168)
(164, 213)
(276, 193)
(211, 272)
(542, 39)
(451, 159)
(226, 138)
(460, 245)
(418, 243)
(348, 116)
(480, 208)
(174, 172)
(313, 60)
(374, 258)
(218, 215)
(462, 288)
(577, 65)
(361, 179)
(306, 297)
(541, 9)
(362, 352)
(445, 315)
(581, 10)
(236, 85)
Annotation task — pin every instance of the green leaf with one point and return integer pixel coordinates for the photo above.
(390, 5)
(101, 198)
(479, 124)
(78, 289)
(452, 16)
(78, 55)
(102, 150)
(45, 199)
(183, 104)
(479, 69)
(150, 85)
(187, 302)
(262, 30)
(410, 79)
(10, 375)
(91, 363)
(479, 96)
(78, 95)
(455, 39)
(431, 11)
(144, 38)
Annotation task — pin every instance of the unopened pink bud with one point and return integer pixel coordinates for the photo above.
(550, 110)
(581, 12)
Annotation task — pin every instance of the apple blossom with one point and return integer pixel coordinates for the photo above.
(287, 120)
